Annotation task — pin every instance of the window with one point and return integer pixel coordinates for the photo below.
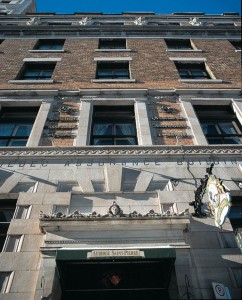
(7, 208)
(22, 212)
(1, 41)
(37, 71)
(49, 45)
(16, 124)
(13, 243)
(228, 240)
(192, 70)
(112, 70)
(99, 185)
(113, 125)
(67, 186)
(24, 187)
(219, 124)
(235, 213)
(5, 281)
(179, 44)
(159, 185)
(236, 44)
(112, 44)
(60, 209)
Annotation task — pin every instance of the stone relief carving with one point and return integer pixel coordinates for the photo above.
(140, 21)
(195, 22)
(33, 21)
(85, 21)
(114, 211)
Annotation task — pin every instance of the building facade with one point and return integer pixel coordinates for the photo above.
(108, 124)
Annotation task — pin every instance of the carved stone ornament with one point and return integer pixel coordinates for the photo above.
(85, 21)
(65, 109)
(195, 22)
(140, 21)
(33, 21)
(114, 211)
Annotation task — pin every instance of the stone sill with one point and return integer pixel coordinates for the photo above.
(183, 50)
(30, 81)
(46, 51)
(113, 80)
(113, 50)
(237, 50)
(201, 80)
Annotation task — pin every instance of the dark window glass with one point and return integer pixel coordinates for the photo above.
(235, 213)
(112, 70)
(112, 44)
(192, 70)
(236, 44)
(179, 44)
(37, 71)
(113, 125)
(49, 45)
(219, 124)
(16, 125)
(7, 208)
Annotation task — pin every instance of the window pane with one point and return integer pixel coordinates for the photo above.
(227, 128)
(102, 141)
(215, 141)
(23, 130)
(102, 129)
(233, 140)
(3, 143)
(22, 212)
(6, 129)
(6, 215)
(126, 141)
(124, 129)
(13, 243)
(4, 279)
(209, 129)
(18, 143)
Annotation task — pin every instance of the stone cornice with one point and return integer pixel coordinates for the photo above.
(119, 151)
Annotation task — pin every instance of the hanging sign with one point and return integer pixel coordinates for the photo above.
(219, 200)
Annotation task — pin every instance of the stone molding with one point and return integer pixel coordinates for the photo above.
(117, 151)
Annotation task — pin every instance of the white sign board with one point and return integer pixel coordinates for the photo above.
(219, 290)
(115, 253)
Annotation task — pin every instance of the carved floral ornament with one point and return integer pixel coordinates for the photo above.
(85, 21)
(195, 22)
(114, 211)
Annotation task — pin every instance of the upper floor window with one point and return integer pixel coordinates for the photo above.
(112, 70)
(7, 208)
(112, 44)
(179, 44)
(219, 124)
(37, 71)
(236, 44)
(49, 45)
(191, 70)
(16, 124)
(113, 125)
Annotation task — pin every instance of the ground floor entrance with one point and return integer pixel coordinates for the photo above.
(116, 277)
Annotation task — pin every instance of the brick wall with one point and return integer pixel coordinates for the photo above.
(150, 64)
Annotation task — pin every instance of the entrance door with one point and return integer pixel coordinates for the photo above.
(115, 279)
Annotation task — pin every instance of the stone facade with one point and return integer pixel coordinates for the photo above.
(63, 197)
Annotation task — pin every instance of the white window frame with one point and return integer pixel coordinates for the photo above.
(7, 285)
(197, 60)
(27, 213)
(18, 245)
(113, 60)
